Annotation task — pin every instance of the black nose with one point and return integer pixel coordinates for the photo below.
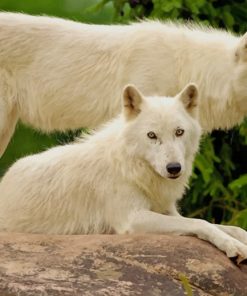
(173, 168)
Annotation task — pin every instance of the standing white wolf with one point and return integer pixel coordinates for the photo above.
(121, 179)
(57, 74)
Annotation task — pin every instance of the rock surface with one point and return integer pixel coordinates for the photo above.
(94, 265)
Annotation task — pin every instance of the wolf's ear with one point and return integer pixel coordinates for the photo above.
(241, 51)
(189, 97)
(132, 100)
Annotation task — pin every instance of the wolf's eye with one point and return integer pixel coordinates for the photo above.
(179, 132)
(151, 135)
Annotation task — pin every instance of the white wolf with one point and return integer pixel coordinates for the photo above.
(121, 179)
(57, 74)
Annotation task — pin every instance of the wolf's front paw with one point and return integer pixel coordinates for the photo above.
(236, 232)
(239, 233)
(235, 248)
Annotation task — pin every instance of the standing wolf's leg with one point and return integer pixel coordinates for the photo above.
(8, 120)
(147, 221)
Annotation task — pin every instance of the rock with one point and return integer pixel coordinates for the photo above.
(33, 265)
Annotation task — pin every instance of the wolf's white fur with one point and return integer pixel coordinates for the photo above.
(57, 74)
(116, 180)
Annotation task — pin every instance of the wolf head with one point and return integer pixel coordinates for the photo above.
(162, 131)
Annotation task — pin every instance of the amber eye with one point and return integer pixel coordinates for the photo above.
(151, 135)
(179, 132)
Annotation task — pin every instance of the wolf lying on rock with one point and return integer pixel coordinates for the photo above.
(125, 178)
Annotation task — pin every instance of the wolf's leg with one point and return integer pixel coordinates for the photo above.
(147, 221)
(234, 231)
(8, 120)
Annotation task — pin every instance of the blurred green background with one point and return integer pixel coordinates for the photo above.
(218, 190)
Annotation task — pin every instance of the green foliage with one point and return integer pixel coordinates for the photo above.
(218, 190)
(218, 187)
(186, 284)
(73, 9)
(230, 14)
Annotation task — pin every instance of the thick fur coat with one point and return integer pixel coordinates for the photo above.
(126, 178)
(58, 74)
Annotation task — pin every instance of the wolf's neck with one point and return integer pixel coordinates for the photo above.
(213, 69)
